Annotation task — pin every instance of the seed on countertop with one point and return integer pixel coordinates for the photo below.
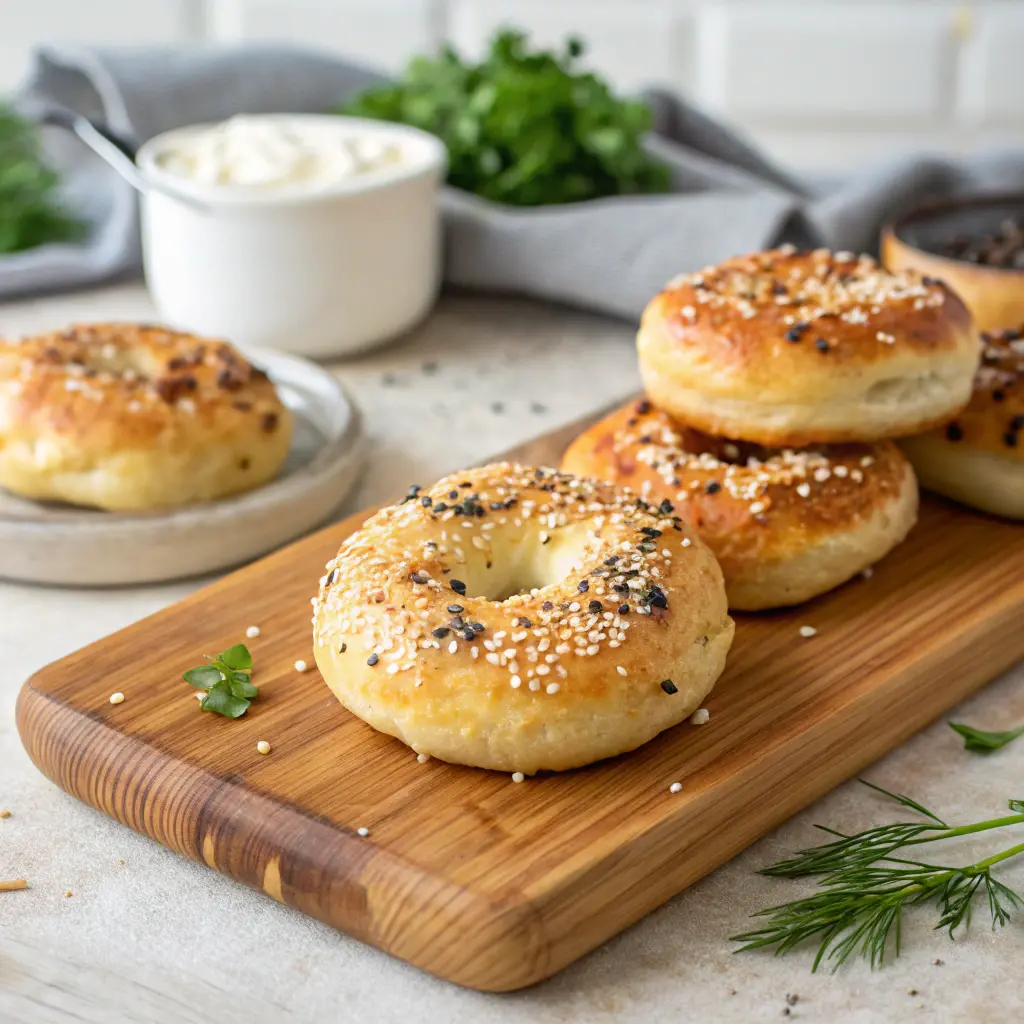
(808, 631)
(117, 698)
(254, 631)
(676, 787)
(518, 777)
(364, 832)
(263, 747)
(300, 666)
(700, 716)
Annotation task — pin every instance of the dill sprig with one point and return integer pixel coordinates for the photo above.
(864, 888)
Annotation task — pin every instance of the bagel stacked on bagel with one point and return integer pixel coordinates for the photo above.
(774, 383)
(129, 417)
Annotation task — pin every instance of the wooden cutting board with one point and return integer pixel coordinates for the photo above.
(488, 883)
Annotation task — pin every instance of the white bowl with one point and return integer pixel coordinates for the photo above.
(321, 271)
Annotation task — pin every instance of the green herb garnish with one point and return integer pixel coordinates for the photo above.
(30, 210)
(865, 888)
(227, 682)
(523, 127)
(985, 742)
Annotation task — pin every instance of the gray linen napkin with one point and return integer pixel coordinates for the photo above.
(608, 255)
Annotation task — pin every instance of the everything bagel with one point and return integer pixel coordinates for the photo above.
(127, 417)
(788, 348)
(785, 525)
(521, 619)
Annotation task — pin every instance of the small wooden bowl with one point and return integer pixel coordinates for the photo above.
(995, 296)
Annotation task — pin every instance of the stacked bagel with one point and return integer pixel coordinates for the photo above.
(775, 384)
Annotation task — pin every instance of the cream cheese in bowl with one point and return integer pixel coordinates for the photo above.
(308, 233)
(263, 152)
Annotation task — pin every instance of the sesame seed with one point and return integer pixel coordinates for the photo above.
(700, 716)
(516, 682)
(552, 687)
(118, 698)
(263, 747)
(300, 666)
(756, 507)
(252, 631)
(676, 787)
(373, 659)
(803, 490)
(868, 573)
(808, 631)
(453, 647)
(423, 758)
(668, 686)
(364, 832)
(621, 670)
(518, 777)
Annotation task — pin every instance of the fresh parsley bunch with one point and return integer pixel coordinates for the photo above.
(227, 680)
(30, 210)
(523, 127)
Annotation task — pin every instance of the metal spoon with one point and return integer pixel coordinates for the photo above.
(116, 151)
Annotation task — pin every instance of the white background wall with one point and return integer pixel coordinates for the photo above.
(820, 82)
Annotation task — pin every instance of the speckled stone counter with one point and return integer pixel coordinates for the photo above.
(116, 929)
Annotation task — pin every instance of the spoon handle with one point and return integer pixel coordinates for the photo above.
(114, 149)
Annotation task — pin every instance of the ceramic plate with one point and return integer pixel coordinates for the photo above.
(64, 545)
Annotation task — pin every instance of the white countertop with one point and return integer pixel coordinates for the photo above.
(147, 936)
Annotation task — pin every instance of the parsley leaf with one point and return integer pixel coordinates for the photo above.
(227, 681)
(30, 210)
(981, 742)
(523, 127)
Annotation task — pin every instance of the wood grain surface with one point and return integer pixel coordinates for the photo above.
(488, 883)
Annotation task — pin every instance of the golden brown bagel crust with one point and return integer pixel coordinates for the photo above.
(787, 348)
(127, 417)
(784, 525)
(616, 627)
(978, 458)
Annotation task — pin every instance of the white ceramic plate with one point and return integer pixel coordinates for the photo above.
(63, 545)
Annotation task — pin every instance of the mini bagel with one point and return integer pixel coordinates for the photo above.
(127, 417)
(521, 619)
(978, 458)
(787, 348)
(784, 525)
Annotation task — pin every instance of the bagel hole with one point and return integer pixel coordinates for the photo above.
(523, 563)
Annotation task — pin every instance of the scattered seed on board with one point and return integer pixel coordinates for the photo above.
(700, 716)
(364, 832)
(263, 747)
(676, 787)
(252, 631)
(301, 666)
(518, 776)
(423, 758)
(808, 631)
(117, 698)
